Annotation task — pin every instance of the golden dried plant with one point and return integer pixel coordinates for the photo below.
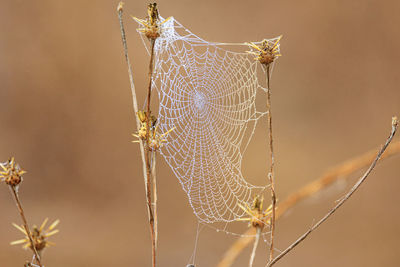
(12, 173)
(39, 236)
(152, 24)
(267, 52)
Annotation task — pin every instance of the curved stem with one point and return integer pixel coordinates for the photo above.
(340, 172)
(343, 199)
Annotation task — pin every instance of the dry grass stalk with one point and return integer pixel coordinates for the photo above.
(271, 174)
(343, 199)
(266, 54)
(25, 224)
(12, 176)
(257, 219)
(153, 171)
(256, 241)
(152, 31)
(340, 172)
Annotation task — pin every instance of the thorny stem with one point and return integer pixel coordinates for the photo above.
(271, 174)
(256, 240)
(144, 156)
(28, 231)
(340, 172)
(343, 199)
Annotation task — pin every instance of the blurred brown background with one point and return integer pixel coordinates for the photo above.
(66, 116)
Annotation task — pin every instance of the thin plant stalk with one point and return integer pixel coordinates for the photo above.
(271, 174)
(150, 205)
(148, 159)
(339, 172)
(144, 156)
(253, 252)
(25, 223)
(343, 199)
(153, 171)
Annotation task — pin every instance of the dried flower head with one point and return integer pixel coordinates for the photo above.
(258, 217)
(157, 140)
(39, 236)
(12, 173)
(154, 139)
(151, 25)
(267, 52)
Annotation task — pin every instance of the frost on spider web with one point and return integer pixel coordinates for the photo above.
(208, 93)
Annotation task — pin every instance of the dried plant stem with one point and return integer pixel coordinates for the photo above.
(152, 43)
(125, 46)
(144, 156)
(28, 231)
(271, 174)
(148, 159)
(340, 172)
(153, 171)
(343, 199)
(256, 240)
(132, 84)
(150, 205)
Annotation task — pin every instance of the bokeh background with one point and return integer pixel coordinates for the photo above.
(66, 116)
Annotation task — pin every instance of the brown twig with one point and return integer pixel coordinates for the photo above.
(343, 199)
(148, 157)
(25, 223)
(144, 156)
(340, 172)
(149, 204)
(271, 174)
(153, 171)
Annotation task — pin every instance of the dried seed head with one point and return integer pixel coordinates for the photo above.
(39, 236)
(257, 217)
(267, 51)
(152, 24)
(152, 13)
(12, 173)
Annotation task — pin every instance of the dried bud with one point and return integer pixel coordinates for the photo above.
(12, 173)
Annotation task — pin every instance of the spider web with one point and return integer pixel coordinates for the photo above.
(208, 93)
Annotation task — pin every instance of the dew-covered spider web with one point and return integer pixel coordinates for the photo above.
(207, 91)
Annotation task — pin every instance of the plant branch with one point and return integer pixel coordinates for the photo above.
(343, 199)
(28, 231)
(153, 171)
(340, 172)
(271, 174)
(148, 160)
(144, 156)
